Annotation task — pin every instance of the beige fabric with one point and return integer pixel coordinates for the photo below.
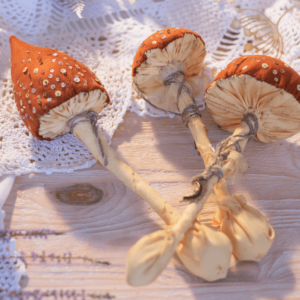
(55, 122)
(150, 255)
(207, 255)
(278, 112)
(250, 233)
(235, 165)
(248, 230)
(206, 244)
(184, 54)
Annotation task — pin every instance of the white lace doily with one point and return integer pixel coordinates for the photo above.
(12, 268)
(106, 39)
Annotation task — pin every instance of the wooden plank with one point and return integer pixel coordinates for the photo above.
(162, 151)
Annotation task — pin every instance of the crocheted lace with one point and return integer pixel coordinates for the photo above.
(106, 39)
(12, 268)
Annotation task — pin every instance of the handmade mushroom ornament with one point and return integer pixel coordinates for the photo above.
(257, 96)
(56, 94)
(166, 73)
(159, 77)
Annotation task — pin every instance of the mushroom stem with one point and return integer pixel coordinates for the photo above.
(156, 249)
(127, 175)
(197, 245)
(249, 231)
(204, 147)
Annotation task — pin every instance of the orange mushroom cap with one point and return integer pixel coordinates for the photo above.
(264, 68)
(160, 39)
(165, 61)
(44, 78)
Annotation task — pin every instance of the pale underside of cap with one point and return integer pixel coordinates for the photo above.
(55, 122)
(278, 112)
(185, 54)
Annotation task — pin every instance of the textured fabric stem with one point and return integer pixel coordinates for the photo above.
(88, 116)
(126, 174)
(238, 140)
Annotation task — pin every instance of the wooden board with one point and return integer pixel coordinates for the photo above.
(162, 151)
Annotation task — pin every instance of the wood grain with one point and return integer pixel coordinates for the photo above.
(162, 151)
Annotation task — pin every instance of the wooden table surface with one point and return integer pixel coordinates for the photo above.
(162, 151)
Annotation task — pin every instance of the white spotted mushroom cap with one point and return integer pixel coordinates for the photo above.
(50, 87)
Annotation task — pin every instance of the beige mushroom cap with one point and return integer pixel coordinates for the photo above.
(260, 85)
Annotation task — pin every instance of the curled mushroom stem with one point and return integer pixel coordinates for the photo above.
(204, 147)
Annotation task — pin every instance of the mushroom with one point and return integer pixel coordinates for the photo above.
(255, 96)
(63, 95)
(166, 73)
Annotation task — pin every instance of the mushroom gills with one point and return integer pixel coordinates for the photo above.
(184, 54)
(55, 123)
(277, 112)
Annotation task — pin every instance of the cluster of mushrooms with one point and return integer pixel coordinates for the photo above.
(254, 97)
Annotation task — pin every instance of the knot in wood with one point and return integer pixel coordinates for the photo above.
(79, 194)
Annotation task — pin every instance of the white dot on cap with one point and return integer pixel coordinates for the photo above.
(265, 66)
(245, 67)
(274, 72)
(276, 79)
(154, 42)
(298, 87)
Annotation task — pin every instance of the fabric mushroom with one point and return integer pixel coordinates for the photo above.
(166, 73)
(255, 96)
(56, 94)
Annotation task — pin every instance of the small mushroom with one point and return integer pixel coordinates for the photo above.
(166, 73)
(76, 109)
(255, 96)
(167, 67)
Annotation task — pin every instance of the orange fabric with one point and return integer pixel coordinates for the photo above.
(264, 68)
(162, 38)
(31, 66)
